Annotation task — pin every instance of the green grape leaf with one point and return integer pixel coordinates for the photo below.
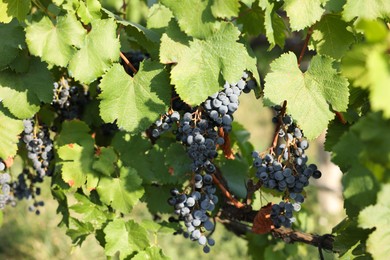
(225, 8)
(374, 31)
(333, 133)
(132, 151)
(331, 37)
(14, 8)
(91, 213)
(236, 174)
(76, 152)
(366, 9)
(360, 189)
(138, 153)
(274, 27)
(198, 22)
(253, 20)
(373, 131)
(121, 193)
(22, 94)
(202, 66)
(89, 10)
(4, 16)
(239, 138)
(74, 131)
(125, 237)
(256, 245)
(343, 155)
(158, 18)
(55, 43)
(377, 216)
(152, 252)
(146, 38)
(9, 131)
(177, 160)
(379, 73)
(335, 6)
(159, 227)
(10, 45)
(354, 66)
(370, 144)
(105, 161)
(303, 13)
(348, 236)
(308, 94)
(174, 44)
(135, 103)
(58, 193)
(99, 50)
(21, 64)
(79, 231)
(76, 163)
(155, 195)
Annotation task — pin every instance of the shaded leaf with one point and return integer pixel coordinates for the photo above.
(121, 193)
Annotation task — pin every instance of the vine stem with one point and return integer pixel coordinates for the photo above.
(340, 117)
(227, 194)
(308, 35)
(124, 7)
(232, 218)
(278, 125)
(128, 63)
(44, 9)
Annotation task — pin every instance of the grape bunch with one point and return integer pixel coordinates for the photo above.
(201, 139)
(198, 130)
(282, 213)
(221, 105)
(69, 101)
(39, 147)
(285, 169)
(5, 188)
(195, 209)
(25, 187)
(165, 123)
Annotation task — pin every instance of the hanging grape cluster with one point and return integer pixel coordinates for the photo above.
(198, 130)
(69, 101)
(5, 187)
(285, 168)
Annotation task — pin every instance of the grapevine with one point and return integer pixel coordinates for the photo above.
(160, 123)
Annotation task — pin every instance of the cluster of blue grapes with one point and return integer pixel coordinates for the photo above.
(39, 147)
(22, 188)
(282, 213)
(221, 106)
(285, 169)
(198, 129)
(69, 101)
(201, 139)
(5, 192)
(195, 209)
(165, 123)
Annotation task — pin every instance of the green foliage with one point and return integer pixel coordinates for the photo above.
(376, 216)
(55, 43)
(317, 88)
(192, 48)
(134, 102)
